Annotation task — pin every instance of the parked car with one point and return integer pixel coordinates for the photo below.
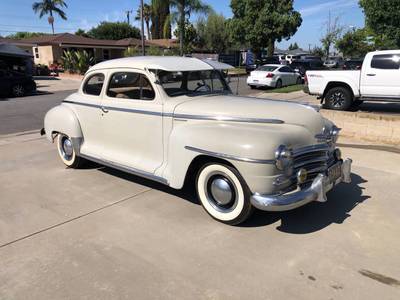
(378, 80)
(174, 120)
(261, 62)
(275, 76)
(334, 62)
(290, 58)
(15, 84)
(301, 66)
(353, 64)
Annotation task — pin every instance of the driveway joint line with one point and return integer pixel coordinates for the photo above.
(73, 219)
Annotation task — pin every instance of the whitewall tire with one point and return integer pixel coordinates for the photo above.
(67, 152)
(223, 193)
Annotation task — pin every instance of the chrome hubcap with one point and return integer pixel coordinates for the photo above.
(338, 99)
(66, 148)
(221, 192)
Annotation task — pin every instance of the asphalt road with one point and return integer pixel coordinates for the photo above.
(27, 113)
(97, 233)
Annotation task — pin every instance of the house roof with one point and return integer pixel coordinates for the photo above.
(297, 52)
(66, 39)
(166, 63)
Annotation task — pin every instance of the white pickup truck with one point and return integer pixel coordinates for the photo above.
(378, 80)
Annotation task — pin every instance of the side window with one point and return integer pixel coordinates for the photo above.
(94, 85)
(386, 61)
(286, 70)
(129, 85)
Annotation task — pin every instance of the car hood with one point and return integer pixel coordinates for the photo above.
(251, 110)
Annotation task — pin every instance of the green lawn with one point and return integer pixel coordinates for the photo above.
(286, 89)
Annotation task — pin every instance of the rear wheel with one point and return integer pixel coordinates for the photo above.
(278, 84)
(67, 153)
(18, 90)
(253, 87)
(338, 98)
(223, 193)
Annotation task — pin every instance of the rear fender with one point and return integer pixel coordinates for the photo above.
(61, 119)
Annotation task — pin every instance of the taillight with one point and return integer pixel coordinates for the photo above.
(269, 75)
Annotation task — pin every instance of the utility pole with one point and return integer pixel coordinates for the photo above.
(142, 27)
(128, 13)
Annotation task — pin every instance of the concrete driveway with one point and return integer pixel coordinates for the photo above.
(97, 233)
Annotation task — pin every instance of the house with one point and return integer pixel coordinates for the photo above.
(48, 49)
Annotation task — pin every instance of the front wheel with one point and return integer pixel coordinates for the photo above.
(223, 193)
(67, 153)
(338, 98)
(278, 84)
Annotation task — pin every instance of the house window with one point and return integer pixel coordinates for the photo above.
(36, 49)
(106, 54)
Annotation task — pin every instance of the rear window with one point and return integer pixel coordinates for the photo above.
(94, 84)
(386, 61)
(266, 68)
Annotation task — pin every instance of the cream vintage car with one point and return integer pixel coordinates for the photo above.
(175, 119)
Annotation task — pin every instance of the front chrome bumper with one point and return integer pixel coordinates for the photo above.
(316, 192)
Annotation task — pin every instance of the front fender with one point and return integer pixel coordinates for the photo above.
(241, 140)
(61, 119)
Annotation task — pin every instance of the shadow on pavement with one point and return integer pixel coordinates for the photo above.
(381, 107)
(45, 78)
(316, 216)
(37, 93)
(307, 219)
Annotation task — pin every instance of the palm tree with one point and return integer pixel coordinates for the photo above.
(50, 7)
(147, 11)
(184, 9)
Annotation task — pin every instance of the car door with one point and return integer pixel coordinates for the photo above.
(286, 74)
(132, 121)
(380, 77)
(4, 83)
(86, 105)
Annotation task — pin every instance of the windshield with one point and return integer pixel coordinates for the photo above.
(266, 68)
(192, 83)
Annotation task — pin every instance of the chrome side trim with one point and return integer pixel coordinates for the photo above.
(181, 116)
(126, 169)
(228, 119)
(232, 157)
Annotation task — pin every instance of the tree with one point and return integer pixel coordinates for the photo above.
(184, 8)
(333, 31)
(354, 43)
(50, 7)
(24, 35)
(146, 17)
(189, 38)
(383, 18)
(160, 19)
(318, 51)
(81, 32)
(293, 46)
(212, 33)
(114, 31)
(262, 23)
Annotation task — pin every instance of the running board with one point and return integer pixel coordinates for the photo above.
(125, 169)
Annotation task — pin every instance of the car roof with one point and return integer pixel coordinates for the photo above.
(166, 63)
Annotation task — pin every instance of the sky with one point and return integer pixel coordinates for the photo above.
(17, 15)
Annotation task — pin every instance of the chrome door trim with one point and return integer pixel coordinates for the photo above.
(182, 116)
(232, 157)
(126, 169)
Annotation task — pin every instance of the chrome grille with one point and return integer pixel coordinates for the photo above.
(315, 159)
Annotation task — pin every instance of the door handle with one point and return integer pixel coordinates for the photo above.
(104, 110)
(371, 74)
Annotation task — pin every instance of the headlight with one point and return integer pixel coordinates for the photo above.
(284, 160)
(334, 133)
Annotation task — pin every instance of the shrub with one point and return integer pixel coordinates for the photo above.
(77, 61)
